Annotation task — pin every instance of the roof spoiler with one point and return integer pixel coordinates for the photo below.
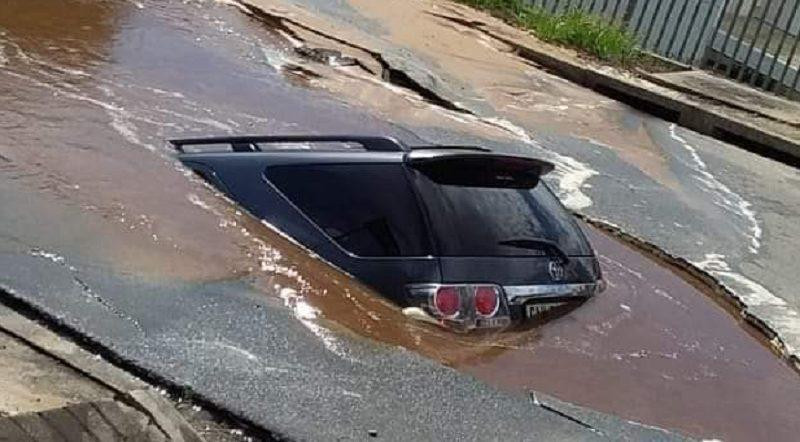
(250, 143)
(479, 168)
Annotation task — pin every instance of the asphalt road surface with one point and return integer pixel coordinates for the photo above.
(103, 230)
(729, 212)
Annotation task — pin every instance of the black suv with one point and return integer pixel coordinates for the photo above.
(468, 236)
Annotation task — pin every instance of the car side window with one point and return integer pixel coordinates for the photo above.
(370, 210)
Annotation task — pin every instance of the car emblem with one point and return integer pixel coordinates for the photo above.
(556, 270)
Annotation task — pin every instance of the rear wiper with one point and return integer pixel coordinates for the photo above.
(536, 244)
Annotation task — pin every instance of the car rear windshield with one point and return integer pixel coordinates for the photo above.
(498, 221)
(368, 209)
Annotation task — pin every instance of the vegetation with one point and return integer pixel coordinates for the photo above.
(574, 28)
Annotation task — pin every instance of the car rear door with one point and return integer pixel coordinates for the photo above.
(493, 221)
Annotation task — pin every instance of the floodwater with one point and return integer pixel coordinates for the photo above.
(90, 91)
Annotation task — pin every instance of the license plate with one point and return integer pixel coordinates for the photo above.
(493, 322)
(532, 310)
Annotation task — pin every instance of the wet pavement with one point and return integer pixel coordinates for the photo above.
(729, 212)
(103, 229)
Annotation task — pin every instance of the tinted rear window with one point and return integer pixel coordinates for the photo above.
(368, 209)
(476, 221)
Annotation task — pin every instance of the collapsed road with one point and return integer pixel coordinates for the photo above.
(103, 231)
(729, 213)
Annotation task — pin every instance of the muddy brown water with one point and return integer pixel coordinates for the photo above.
(89, 91)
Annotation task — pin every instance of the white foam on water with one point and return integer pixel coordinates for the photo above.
(307, 315)
(755, 293)
(158, 91)
(122, 121)
(782, 317)
(572, 174)
(51, 256)
(621, 266)
(722, 195)
(268, 258)
(44, 67)
(235, 4)
(200, 120)
(269, 261)
(138, 5)
(275, 58)
(293, 41)
(3, 56)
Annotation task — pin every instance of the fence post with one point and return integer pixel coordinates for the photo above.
(639, 22)
(796, 72)
(754, 41)
(628, 14)
(677, 28)
(664, 25)
(653, 19)
(780, 45)
(789, 64)
(705, 27)
(754, 78)
(603, 8)
(729, 70)
(724, 47)
(682, 50)
(616, 9)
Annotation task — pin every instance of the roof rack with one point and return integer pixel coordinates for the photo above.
(250, 143)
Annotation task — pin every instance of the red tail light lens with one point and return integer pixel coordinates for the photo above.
(486, 300)
(447, 301)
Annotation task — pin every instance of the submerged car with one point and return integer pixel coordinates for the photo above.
(468, 236)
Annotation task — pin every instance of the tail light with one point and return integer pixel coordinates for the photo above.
(462, 306)
(487, 300)
(447, 302)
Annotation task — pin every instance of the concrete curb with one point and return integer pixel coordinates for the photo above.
(655, 79)
(700, 114)
(129, 389)
(165, 415)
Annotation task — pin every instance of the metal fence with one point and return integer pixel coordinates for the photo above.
(752, 41)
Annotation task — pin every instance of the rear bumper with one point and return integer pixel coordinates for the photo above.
(561, 296)
(518, 295)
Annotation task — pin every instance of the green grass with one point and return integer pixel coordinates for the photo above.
(577, 29)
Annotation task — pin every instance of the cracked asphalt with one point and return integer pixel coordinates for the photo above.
(731, 213)
(102, 230)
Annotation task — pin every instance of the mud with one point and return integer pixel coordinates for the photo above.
(87, 102)
(652, 349)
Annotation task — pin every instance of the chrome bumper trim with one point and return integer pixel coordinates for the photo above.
(520, 294)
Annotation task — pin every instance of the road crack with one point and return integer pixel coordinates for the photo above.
(85, 288)
(563, 414)
(390, 74)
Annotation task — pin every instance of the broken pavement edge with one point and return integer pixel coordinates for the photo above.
(128, 388)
